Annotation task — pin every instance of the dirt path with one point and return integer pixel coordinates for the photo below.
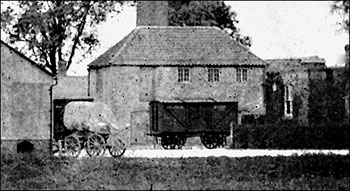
(197, 152)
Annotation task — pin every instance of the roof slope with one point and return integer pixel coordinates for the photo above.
(26, 58)
(169, 45)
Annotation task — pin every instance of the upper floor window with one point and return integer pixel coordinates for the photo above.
(183, 75)
(213, 74)
(241, 74)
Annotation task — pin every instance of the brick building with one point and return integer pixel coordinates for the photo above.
(26, 94)
(174, 64)
(304, 90)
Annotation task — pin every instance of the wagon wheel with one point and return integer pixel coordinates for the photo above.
(221, 139)
(168, 142)
(165, 142)
(95, 145)
(72, 145)
(179, 141)
(210, 141)
(117, 149)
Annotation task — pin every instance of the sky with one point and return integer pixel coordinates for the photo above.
(279, 29)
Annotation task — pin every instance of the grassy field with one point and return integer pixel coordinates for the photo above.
(320, 172)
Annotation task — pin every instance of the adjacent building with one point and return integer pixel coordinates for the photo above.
(304, 90)
(26, 90)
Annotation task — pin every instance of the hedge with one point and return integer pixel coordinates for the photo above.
(290, 136)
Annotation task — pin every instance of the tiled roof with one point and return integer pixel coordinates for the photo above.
(169, 45)
(26, 58)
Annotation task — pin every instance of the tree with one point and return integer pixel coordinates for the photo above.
(206, 13)
(53, 31)
(342, 8)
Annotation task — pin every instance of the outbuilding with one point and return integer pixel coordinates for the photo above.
(26, 96)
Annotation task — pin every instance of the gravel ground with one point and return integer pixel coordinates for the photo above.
(200, 152)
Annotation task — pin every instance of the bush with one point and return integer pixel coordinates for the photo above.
(290, 136)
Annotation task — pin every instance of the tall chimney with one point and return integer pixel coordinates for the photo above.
(152, 13)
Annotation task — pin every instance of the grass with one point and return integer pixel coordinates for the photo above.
(320, 172)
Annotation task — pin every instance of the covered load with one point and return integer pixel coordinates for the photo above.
(93, 116)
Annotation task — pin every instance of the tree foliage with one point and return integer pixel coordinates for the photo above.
(206, 13)
(52, 31)
(342, 8)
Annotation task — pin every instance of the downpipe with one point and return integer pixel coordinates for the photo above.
(51, 114)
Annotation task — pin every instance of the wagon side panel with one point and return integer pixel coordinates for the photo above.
(223, 115)
(167, 118)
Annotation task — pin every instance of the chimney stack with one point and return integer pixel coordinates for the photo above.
(152, 13)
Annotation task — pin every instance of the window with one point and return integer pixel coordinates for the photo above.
(213, 74)
(241, 74)
(288, 101)
(183, 74)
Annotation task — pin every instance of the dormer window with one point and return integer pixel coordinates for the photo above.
(183, 75)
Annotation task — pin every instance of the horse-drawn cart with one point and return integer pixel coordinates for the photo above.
(91, 125)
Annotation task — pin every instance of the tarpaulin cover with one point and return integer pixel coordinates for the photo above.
(93, 116)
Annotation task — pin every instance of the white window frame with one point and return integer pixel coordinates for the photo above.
(183, 74)
(241, 75)
(213, 74)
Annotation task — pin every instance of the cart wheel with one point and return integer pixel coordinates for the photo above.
(221, 140)
(117, 149)
(180, 141)
(72, 145)
(168, 142)
(210, 141)
(95, 145)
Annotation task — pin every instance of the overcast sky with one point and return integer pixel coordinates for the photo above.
(279, 29)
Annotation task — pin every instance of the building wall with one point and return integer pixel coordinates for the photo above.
(129, 89)
(70, 87)
(317, 92)
(296, 77)
(25, 100)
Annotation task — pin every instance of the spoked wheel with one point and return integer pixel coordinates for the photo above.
(210, 141)
(221, 140)
(117, 149)
(167, 142)
(180, 141)
(173, 141)
(72, 146)
(95, 145)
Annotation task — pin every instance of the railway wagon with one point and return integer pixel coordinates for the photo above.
(173, 122)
